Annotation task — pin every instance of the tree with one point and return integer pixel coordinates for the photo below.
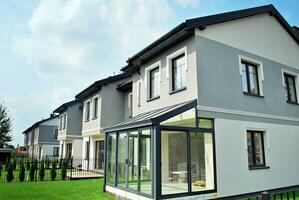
(32, 171)
(42, 170)
(9, 175)
(53, 170)
(22, 171)
(5, 126)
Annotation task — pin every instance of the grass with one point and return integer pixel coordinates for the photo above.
(58, 190)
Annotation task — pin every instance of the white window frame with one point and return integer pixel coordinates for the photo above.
(138, 96)
(64, 121)
(296, 75)
(93, 107)
(130, 104)
(169, 58)
(260, 71)
(147, 77)
(85, 111)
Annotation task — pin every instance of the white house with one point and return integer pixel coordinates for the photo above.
(215, 111)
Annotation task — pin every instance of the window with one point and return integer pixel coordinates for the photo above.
(87, 111)
(255, 149)
(55, 151)
(130, 105)
(55, 133)
(60, 122)
(95, 108)
(64, 121)
(111, 156)
(154, 86)
(250, 79)
(139, 93)
(68, 150)
(290, 86)
(178, 72)
(87, 150)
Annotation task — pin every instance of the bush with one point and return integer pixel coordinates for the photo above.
(6, 165)
(53, 170)
(47, 163)
(9, 175)
(32, 171)
(14, 164)
(22, 172)
(0, 168)
(63, 169)
(42, 170)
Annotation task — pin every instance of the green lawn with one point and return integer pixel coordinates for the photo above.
(73, 190)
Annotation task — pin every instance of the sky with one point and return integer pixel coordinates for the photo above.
(51, 50)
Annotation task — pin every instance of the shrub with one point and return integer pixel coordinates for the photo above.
(14, 164)
(6, 165)
(42, 170)
(35, 164)
(32, 171)
(0, 168)
(53, 170)
(9, 175)
(22, 172)
(47, 163)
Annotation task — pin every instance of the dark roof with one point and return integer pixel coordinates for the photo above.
(98, 85)
(296, 29)
(126, 86)
(154, 116)
(52, 116)
(64, 106)
(186, 29)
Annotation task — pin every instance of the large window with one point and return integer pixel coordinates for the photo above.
(95, 108)
(250, 79)
(290, 86)
(87, 111)
(145, 161)
(154, 89)
(122, 159)
(111, 156)
(55, 151)
(178, 72)
(68, 150)
(255, 148)
(87, 146)
(174, 162)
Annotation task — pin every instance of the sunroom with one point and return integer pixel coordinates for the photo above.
(161, 154)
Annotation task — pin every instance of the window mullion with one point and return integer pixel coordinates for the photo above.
(248, 78)
(253, 148)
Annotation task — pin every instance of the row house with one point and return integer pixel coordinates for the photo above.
(41, 138)
(215, 111)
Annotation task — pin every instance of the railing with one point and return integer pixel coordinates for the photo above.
(284, 193)
(48, 169)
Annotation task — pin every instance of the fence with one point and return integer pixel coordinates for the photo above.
(49, 169)
(285, 193)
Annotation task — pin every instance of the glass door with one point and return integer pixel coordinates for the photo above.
(133, 160)
(122, 159)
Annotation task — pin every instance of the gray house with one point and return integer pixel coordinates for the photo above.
(69, 129)
(106, 102)
(215, 111)
(41, 138)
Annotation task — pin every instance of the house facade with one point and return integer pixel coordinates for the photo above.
(41, 138)
(69, 129)
(215, 111)
(105, 103)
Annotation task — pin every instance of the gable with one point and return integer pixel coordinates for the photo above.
(262, 35)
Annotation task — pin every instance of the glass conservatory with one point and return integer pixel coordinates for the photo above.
(161, 154)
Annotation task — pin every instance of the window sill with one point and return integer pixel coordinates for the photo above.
(293, 103)
(254, 95)
(176, 91)
(152, 99)
(258, 167)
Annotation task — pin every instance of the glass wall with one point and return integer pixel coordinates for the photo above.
(122, 159)
(145, 161)
(202, 162)
(133, 160)
(174, 162)
(111, 156)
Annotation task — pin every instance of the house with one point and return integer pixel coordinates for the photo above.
(215, 111)
(106, 102)
(41, 138)
(5, 154)
(69, 129)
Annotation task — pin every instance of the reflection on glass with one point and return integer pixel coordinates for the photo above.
(186, 119)
(133, 160)
(111, 158)
(259, 156)
(202, 171)
(145, 162)
(174, 162)
(122, 158)
(205, 123)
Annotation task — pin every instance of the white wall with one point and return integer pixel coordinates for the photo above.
(47, 150)
(270, 39)
(281, 150)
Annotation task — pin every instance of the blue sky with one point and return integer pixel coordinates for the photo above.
(51, 50)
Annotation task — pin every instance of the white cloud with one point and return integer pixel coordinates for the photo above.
(187, 3)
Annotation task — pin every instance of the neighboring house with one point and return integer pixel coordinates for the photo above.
(41, 138)
(106, 102)
(69, 129)
(215, 111)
